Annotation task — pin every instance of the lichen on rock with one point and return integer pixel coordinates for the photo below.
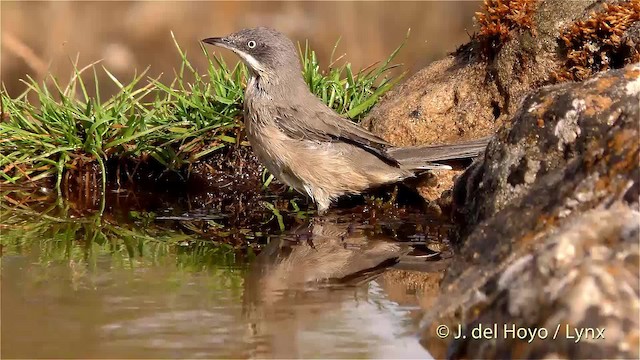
(555, 125)
(560, 250)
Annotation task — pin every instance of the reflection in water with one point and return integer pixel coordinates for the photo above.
(327, 252)
(310, 295)
(315, 292)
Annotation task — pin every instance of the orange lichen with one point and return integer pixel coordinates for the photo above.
(605, 84)
(632, 73)
(499, 19)
(542, 107)
(624, 144)
(596, 103)
(599, 42)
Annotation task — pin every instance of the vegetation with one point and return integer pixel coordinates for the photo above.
(499, 19)
(51, 131)
(59, 233)
(600, 42)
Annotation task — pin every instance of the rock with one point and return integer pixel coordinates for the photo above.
(551, 231)
(446, 102)
(520, 46)
(585, 276)
(555, 125)
(437, 105)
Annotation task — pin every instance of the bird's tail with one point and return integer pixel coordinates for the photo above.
(429, 157)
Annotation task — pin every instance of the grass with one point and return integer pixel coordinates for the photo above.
(67, 131)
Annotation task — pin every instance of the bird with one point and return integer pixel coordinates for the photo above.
(306, 144)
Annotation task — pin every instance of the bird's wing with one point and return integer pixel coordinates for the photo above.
(326, 126)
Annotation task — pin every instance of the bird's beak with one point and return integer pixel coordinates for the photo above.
(224, 42)
(218, 41)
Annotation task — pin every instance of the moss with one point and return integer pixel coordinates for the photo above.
(500, 19)
(600, 42)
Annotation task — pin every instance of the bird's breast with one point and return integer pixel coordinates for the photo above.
(272, 147)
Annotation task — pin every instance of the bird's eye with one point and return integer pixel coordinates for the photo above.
(251, 44)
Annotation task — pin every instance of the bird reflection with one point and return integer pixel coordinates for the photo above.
(307, 278)
(322, 255)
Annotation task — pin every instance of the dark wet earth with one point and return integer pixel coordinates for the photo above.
(150, 276)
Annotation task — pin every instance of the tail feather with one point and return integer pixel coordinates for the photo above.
(428, 157)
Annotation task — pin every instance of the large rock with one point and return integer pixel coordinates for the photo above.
(553, 228)
(446, 102)
(553, 126)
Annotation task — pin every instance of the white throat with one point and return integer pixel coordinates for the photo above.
(251, 62)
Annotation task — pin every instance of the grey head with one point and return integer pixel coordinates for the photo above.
(265, 51)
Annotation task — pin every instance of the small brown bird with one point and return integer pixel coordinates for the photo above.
(307, 145)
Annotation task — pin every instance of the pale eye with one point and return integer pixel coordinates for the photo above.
(251, 44)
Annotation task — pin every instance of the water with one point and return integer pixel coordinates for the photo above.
(95, 287)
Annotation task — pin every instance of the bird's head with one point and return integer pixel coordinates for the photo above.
(265, 51)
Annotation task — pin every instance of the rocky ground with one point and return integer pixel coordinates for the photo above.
(549, 216)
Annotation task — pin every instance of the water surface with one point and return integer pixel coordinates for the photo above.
(94, 287)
